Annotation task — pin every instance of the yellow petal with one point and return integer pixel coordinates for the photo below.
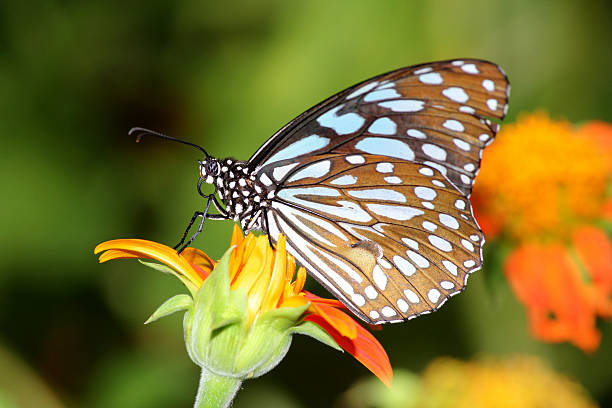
(261, 278)
(278, 277)
(140, 248)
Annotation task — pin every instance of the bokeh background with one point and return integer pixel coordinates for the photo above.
(76, 75)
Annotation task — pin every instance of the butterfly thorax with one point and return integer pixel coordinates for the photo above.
(242, 194)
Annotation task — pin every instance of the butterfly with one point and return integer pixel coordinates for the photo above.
(371, 186)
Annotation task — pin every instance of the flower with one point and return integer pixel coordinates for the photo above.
(244, 309)
(541, 178)
(544, 188)
(513, 382)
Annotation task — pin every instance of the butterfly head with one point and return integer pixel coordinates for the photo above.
(210, 169)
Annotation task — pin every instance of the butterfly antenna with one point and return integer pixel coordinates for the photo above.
(142, 132)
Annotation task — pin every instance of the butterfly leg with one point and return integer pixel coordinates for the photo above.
(203, 215)
(265, 219)
(195, 216)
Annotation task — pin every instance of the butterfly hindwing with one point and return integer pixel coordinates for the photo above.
(391, 238)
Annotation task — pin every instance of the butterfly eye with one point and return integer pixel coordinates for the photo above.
(212, 167)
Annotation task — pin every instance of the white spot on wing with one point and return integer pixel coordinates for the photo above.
(378, 194)
(345, 180)
(393, 180)
(492, 104)
(355, 159)
(453, 124)
(432, 78)
(404, 266)
(448, 220)
(343, 124)
(469, 263)
(488, 85)
(434, 151)
(303, 146)
(280, 172)
(425, 193)
(426, 171)
(411, 243)
(315, 170)
(418, 259)
(265, 180)
(399, 213)
(385, 147)
(457, 94)
(467, 245)
(388, 311)
(411, 296)
(433, 295)
(417, 134)
(447, 285)
(440, 243)
(462, 144)
(470, 69)
(403, 306)
(370, 292)
(344, 209)
(403, 105)
(429, 226)
(363, 89)
(383, 126)
(451, 267)
(381, 95)
(384, 167)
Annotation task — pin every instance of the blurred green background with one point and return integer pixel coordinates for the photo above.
(76, 75)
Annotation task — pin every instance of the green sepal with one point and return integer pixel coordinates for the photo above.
(166, 269)
(268, 341)
(214, 331)
(316, 332)
(212, 295)
(172, 305)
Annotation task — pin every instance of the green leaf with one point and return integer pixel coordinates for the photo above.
(316, 332)
(172, 305)
(495, 254)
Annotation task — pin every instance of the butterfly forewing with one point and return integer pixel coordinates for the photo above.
(370, 186)
(439, 110)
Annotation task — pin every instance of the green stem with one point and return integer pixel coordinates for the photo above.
(216, 391)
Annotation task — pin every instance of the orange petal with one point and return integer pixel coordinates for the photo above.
(319, 300)
(594, 250)
(129, 248)
(364, 347)
(548, 282)
(339, 320)
(199, 259)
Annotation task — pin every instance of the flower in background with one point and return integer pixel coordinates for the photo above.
(243, 311)
(544, 187)
(512, 382)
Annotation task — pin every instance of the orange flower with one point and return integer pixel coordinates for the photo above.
(266, 275)
(544, 186)
(541, 178)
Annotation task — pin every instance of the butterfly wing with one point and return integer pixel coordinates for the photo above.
(370, 186)
(441, 110)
